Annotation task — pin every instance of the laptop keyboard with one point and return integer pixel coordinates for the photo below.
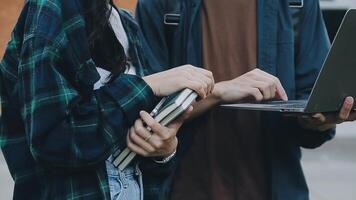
(288, 104)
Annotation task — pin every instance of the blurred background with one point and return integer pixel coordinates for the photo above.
(330, 170)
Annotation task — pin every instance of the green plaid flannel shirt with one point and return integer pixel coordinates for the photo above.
(56, 132)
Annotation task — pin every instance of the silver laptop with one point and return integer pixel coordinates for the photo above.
(336, 80)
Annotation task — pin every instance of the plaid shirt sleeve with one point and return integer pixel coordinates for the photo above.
(65, 126)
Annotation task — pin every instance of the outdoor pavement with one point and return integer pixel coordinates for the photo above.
(330, 170)
(6, 183)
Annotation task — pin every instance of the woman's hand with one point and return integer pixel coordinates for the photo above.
(160, 142)
(187, 76)
(255, 84)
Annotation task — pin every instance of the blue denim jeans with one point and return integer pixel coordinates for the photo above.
(126, 184)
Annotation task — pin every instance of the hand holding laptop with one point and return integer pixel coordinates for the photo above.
(335, 83)
(325, 121)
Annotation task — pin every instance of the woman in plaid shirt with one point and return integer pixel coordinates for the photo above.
(57, 131)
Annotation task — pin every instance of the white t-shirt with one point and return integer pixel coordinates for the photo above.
(120, 33)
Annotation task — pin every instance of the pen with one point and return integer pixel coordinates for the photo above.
(158, 107)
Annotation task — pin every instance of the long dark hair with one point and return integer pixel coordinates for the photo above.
(105, 49)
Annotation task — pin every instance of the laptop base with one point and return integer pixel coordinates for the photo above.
(294, 106)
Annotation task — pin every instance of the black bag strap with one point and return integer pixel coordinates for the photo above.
(295, 9)
(296, 3)
(172, 12)
(171, 19)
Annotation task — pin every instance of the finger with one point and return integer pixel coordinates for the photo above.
(265, 88)
(255, 93)
(313, 122)
(195, 81)
(208, 83)
(141, 128)
(319, 118)
(203, 74)
(259, 75)
(153, 124)
(212, 82)
(137, 139)
(273, 91)
(203, 71)
(197, 87)
(133, 147)
(307, 118)
(280, 92)
(209, 76)
(267, 82)
(156, 142)
(204, 81)
(346, 109)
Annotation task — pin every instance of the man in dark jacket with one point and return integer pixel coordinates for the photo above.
(244, 155)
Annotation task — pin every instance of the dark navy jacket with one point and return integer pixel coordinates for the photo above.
(296, 62)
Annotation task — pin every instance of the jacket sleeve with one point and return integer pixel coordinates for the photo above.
(150, 16)
(65, 127)
(313, 47)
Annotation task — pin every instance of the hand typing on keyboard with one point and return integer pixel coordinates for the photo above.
(256, 85)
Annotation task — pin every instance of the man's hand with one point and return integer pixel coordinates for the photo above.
(160, 142)
(323, 122)
(256, 85)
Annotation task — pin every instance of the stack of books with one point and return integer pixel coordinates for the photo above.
(167, 110)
